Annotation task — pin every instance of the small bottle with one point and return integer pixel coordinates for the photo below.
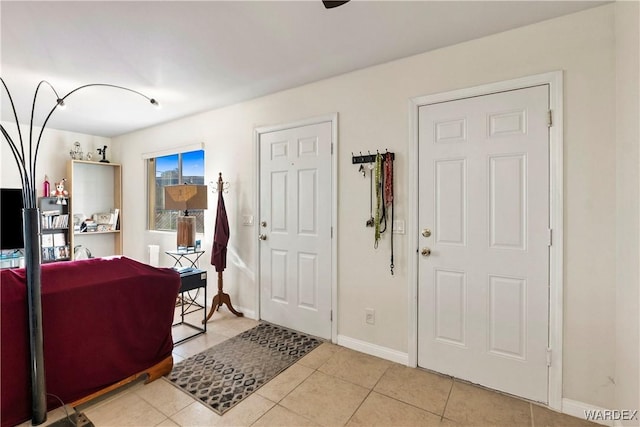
(46, 187)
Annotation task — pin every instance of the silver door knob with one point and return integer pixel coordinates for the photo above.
(262, 237)
(425, 252)
(426, 232)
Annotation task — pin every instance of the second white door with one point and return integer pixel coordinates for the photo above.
(484, 206)
(295, 228)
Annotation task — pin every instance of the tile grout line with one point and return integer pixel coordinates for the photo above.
(172, 384)
(341, 379)
(382, 393)
(410, 404)
(296, 387)
(447, 401)
(359, 406)
(367, 396)
(260, 417)
(293, 389)
(531, 414)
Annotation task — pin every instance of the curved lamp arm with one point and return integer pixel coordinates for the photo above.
(28, 170)
(60, 103)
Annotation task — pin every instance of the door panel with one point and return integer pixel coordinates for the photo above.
(507, 202)
(451, 302)
(484, 193)
(295, 206)
(450, 193)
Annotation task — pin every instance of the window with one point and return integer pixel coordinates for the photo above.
(181, 168)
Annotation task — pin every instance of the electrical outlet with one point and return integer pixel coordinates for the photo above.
(370, 316)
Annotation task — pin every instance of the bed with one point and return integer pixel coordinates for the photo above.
(106, 321)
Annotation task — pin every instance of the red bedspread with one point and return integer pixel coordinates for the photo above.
(103, 320)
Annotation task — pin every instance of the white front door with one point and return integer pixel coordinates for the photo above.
(295, 228)
(483, 302)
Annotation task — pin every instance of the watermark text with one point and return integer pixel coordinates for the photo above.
(611, 415)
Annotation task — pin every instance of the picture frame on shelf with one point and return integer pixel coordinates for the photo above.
(102, 218)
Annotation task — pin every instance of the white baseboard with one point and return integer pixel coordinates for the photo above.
(373, 350)
(251, 314)
(577, 409)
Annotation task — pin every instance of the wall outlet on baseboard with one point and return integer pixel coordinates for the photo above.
(370, 316)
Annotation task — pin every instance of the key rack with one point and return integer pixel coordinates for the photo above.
(368, 158)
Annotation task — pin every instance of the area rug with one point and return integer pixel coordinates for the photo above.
(225, 374)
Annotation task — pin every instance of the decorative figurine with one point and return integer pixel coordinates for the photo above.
(103, 151)
(76, 153)
(60, 193)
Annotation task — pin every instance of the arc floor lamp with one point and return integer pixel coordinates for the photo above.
(26, 162)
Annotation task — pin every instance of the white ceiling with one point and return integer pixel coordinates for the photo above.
(197, 56)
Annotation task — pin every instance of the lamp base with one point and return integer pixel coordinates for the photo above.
(186, 235)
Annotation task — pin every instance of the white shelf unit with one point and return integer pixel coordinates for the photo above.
(95, 187)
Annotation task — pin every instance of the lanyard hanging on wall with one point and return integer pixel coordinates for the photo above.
(382, 177)
(379, 203)
(388, 195)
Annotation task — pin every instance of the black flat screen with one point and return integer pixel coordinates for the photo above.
(11, 219)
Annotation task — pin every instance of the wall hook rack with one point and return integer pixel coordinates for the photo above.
(368, 158)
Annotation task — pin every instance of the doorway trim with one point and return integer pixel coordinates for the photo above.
(333, 118)
(556, 199)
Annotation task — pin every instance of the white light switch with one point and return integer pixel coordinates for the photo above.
(247, 219)
(398, 226)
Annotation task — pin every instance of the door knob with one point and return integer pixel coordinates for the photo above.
(426, 232)
(425, 252)
(262, 237)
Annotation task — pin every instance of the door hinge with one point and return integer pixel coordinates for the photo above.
(332, 148)
(548, 357)
(331, 315)
(550, 118)
(332, 232)
(550, 238)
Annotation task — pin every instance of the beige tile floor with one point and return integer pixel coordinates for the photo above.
(331, 386)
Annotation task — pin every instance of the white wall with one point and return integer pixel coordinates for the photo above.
(53, 154)
(628, 212)
(373, 114)
(598, 51)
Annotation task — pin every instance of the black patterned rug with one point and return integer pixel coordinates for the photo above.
(225, 374)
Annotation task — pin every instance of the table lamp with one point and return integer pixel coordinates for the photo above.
(185, 197)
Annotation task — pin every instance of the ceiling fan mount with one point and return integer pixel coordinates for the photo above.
(331, 4)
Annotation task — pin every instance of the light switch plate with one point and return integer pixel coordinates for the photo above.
(398, 226)
(247, 219)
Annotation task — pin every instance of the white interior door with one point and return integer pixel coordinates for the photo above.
(483, 301)
(295, 225)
